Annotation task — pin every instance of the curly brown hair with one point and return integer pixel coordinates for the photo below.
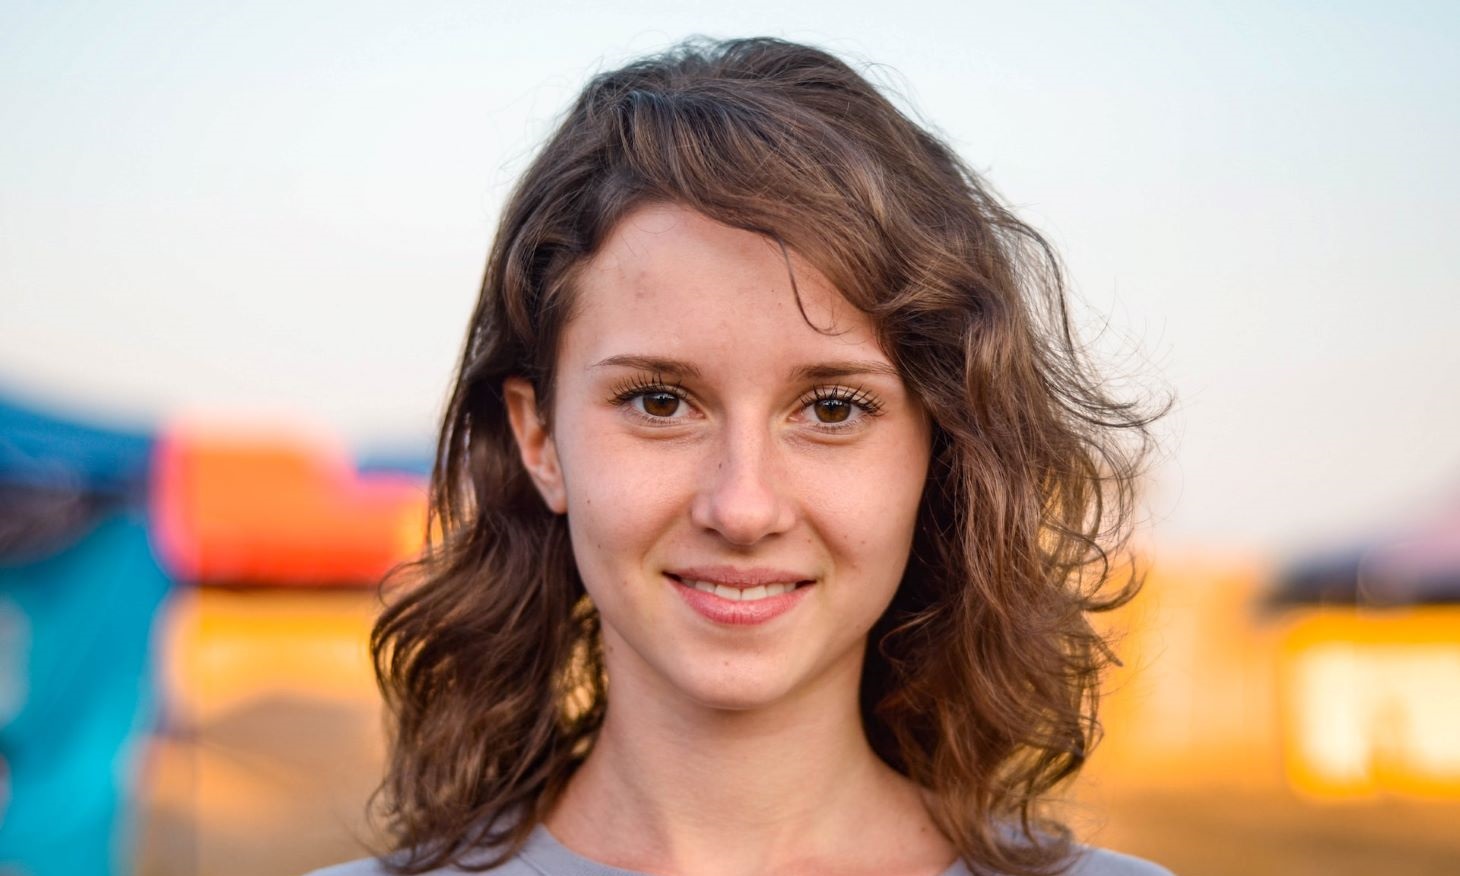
(981, 679)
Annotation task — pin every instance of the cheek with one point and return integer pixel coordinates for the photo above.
(621, 496)
(866, 514)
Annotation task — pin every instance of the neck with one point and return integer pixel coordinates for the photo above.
(672, 784)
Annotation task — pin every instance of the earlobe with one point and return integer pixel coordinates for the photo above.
(535, 443)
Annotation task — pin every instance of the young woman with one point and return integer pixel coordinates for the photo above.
(770, 504)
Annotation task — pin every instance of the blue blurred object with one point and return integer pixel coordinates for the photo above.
(59, 478)
(411, 462)
(80, 592)
(40, 450)
(80, 698)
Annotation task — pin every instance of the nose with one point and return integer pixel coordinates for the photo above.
(743, 496)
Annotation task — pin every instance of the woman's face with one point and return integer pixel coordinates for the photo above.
(702, 430)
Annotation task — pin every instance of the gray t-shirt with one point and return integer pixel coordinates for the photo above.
(543, 855)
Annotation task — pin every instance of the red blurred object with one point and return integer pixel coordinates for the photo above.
(234, 509)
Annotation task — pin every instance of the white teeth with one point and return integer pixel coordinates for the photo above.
(736, 594)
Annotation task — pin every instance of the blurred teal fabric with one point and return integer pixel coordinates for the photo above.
(77, 698)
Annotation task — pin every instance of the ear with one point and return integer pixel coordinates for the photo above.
(539, 453)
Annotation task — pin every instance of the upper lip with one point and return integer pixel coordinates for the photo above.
(731, 576)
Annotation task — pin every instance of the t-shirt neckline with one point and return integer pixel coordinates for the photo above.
(544, 853)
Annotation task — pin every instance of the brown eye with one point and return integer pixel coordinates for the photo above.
(832, 410)
(660, 404)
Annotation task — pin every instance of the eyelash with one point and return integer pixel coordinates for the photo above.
(643, 385)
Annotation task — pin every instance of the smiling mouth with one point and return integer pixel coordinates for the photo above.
(741, 594)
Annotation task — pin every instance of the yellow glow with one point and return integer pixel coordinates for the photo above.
(1373, 703)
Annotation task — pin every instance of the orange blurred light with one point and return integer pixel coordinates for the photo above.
(279, 510)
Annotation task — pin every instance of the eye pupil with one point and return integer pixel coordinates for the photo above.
(838, 409)
(661, 404)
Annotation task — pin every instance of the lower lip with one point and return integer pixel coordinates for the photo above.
(729, 611)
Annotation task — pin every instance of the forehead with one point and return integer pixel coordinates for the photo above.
(672, 281)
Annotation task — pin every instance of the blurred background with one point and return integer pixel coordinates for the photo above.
(239, 244)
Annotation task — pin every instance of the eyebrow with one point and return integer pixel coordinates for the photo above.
(818, 371)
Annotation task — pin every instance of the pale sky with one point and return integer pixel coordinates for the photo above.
(280, 211)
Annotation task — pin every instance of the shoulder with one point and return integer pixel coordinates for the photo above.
(1092, 861)
(373, 867)
(362, 867)
(513, 866)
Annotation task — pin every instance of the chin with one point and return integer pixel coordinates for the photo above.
(735, 690)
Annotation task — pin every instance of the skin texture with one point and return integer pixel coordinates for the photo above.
(730, 750)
